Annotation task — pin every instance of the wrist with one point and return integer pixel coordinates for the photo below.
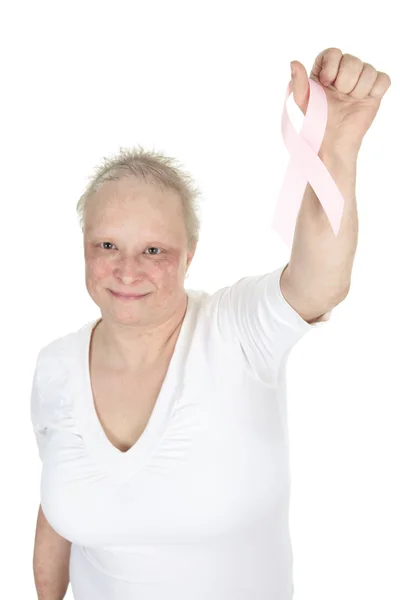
(339, 156)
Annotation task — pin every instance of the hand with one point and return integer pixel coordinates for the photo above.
(354, 91)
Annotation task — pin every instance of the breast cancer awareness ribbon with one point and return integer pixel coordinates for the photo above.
(305, 165)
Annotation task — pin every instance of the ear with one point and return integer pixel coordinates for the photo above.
(191, 253)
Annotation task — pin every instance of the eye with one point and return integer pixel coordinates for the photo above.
(106, 243)
(151, 248)
(154, 248)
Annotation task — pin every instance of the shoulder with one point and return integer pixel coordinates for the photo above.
(58, 352)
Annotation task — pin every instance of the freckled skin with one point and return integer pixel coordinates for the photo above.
(135, 242)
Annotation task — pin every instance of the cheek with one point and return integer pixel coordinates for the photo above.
(98, 268)
(101, 268)
(166, 269)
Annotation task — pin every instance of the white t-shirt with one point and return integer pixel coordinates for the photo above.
(198, 508)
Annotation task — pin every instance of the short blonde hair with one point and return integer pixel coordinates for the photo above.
(151, 167)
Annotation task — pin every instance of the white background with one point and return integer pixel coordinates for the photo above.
(205, 82)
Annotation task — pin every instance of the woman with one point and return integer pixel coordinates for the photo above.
(162, 425)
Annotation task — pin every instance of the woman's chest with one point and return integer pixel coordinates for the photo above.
(124, 401)
(215, 466)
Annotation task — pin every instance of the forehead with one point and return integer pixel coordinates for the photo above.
(129, 188)
(128, 204)
(130, 195)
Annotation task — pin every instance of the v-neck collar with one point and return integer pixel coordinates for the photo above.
(93, 433)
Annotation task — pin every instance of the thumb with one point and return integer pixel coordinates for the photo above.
(300, 85)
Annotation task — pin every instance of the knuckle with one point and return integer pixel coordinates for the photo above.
(333, 51)
(385, 77)
(369, 68)
(352, 61)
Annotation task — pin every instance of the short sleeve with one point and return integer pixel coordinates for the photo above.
(39, 427)
(254, 315)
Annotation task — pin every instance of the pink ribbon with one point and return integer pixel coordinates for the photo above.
(305, 165)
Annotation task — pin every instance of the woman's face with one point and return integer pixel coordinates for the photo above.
(135, 243)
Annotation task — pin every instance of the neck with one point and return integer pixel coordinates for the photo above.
(134, 348)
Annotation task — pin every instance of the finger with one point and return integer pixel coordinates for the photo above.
(326, 65)
(365, 82)
(381, 85)
(349, 73)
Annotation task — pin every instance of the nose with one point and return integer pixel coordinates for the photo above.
(129, 269)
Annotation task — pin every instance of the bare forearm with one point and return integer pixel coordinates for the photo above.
(50, 561)
(319, 258)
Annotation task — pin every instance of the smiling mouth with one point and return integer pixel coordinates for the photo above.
(128, 296)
